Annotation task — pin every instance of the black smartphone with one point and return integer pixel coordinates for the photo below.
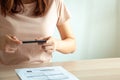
(34, 41)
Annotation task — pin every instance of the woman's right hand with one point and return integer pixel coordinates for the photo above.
(12, 42)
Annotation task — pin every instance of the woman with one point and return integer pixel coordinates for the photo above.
(33, 20)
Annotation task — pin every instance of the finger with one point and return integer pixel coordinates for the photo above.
(13, 39)
(49, 51)
(9, 49)
(48, 44)
(40, 38)
(49, 48)
(49, 39)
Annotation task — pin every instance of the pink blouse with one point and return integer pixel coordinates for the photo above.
(26, 27)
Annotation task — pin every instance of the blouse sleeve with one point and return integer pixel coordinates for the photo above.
(63, 13)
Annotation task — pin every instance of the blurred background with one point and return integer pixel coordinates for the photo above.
(96, 25)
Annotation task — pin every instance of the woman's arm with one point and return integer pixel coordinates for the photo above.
(67, 44)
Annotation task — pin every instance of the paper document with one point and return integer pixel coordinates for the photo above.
(45, 73)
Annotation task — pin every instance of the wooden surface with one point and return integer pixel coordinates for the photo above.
(97, 69)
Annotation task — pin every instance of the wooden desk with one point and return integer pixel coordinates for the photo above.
(99, 69)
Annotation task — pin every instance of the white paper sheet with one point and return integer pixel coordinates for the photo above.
(45, 73)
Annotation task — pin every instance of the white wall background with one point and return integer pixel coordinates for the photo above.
(96, 26)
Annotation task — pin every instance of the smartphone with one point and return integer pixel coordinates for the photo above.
(34, 41)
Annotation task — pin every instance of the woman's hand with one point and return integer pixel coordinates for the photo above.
(50, 45)
(11, 43)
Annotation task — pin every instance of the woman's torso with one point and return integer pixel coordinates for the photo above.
(27, 27)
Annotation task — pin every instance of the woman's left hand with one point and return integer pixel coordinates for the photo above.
(50, 45)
